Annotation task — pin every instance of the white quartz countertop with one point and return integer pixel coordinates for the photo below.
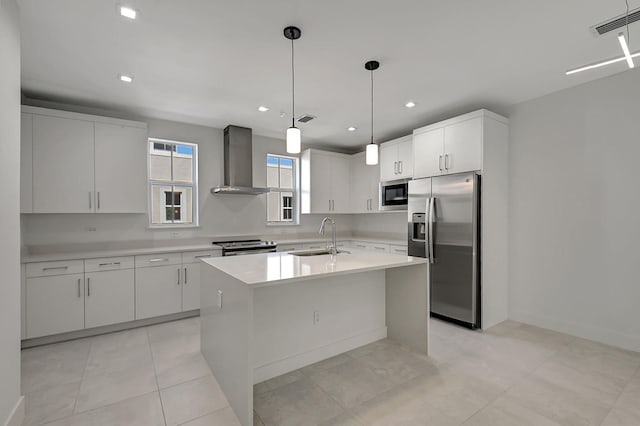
(260, 270)
(49, 257)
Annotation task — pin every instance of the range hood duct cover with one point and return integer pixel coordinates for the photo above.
(238, 164)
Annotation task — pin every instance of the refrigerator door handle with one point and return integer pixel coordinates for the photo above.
(432, 204)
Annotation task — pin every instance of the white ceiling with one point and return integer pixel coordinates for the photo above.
(212, 62)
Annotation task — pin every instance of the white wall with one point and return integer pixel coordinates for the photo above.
(574, 211)
(10, 223)
(226, 215)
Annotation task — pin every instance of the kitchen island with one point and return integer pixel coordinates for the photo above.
(264, 315)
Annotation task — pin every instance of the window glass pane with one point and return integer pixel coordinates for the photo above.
(160, 165)
(168, 212)
(273, 206)
(168, 200)
(286, 177)
(286, 162)
(158, 204)
(183, 204)
(183, 164)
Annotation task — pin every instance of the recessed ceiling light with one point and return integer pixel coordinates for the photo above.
(352, 129)
(128, 12)
(126, 78)
(410, 104)
(263, 108)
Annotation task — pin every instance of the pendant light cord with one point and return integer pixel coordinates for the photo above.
(293, 87)
(371, 106)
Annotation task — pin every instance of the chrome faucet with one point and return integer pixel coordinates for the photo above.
(333, 247)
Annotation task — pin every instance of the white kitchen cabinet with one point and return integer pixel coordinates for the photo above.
(324, 186)
(62, 165)
(463, 146)
(371, 246)
(120, 168)
(54, 304)
(158, 291)
(109, 297)
(428, 157)
(365, 185)
(26, 165)
(191, 265)
(452, 146)
(396, 159)
(78, 163)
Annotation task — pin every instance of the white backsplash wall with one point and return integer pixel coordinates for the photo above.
(387, 225)
(220, 215)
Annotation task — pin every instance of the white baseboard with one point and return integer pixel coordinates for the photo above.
(293, 362)
(586, 331)
(17, 414)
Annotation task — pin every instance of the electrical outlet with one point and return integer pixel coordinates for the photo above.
(176, 234)
(316, 317)
(91, 229)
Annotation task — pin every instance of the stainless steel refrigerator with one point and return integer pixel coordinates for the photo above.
(444, 226)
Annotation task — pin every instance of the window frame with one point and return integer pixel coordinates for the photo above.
(174, 185)
(295, 191)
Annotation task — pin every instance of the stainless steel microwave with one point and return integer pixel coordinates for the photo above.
(394, 195)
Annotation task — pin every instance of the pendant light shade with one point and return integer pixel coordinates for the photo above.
(371, 153)
(293, 140)
(293, 133)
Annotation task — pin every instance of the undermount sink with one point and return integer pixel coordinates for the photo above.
(314, 252)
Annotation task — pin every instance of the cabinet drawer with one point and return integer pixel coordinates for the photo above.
(108, 264)
(195, 256)
(47, 269)
(160, 259)
(402, 250)
(360, 245)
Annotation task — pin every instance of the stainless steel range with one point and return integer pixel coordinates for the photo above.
(243, 247)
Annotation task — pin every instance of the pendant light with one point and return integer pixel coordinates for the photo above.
(371, 153)
(293, 133)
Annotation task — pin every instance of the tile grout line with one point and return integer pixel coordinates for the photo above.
(155, 374)
(84, 372)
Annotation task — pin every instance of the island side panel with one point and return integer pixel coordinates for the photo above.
(226, 335)
(350, 313)
(407, 309)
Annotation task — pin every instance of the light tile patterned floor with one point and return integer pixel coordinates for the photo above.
(513, 374)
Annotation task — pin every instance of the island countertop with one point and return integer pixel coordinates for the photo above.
(266, 269)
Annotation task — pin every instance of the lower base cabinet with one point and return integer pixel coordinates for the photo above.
(55, 304)
(158, 291)
(191, 287)
(109, 298)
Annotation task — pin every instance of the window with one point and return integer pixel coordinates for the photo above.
(173, 183)
(282, 198)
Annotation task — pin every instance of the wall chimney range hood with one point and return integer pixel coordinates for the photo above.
(238, 164)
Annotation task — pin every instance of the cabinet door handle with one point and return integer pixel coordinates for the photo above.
(329, 205)
(61, 268)
(379, 248)
(440, 163)
(395, 167)
(98, 200)
(88, 287)
(178, 276)
(89, 200)
(203, 255)
(185, 276)
(446, 161)
(79, 295)
(158, 260)
(399, 167)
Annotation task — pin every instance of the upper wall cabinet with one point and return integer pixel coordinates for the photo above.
(324, 183)
(82, 163)
(26, 164)
(365, 187)
(396, 159)
(452, 146)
